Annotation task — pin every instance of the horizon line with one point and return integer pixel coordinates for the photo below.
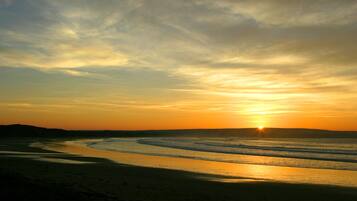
(179, 129)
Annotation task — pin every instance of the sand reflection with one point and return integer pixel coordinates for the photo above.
(47, 157)
(244, 172)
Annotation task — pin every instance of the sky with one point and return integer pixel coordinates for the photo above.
(166, 64)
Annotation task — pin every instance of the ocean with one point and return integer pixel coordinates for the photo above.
(329, 153)
(327, 161)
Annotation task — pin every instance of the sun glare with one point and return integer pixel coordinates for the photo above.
(260, 128)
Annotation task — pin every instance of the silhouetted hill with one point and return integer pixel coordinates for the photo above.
(18, 130)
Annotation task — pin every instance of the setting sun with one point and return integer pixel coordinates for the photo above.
(116, 100)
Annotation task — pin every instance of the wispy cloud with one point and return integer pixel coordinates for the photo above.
(226, 56)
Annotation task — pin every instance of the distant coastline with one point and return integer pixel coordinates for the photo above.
(18, 130)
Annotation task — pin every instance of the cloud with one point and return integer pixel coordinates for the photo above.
(295, 12)
(5, 2)
(173, 34)
(238, 54)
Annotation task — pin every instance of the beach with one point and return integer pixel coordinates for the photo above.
(166, 100)
(230, 167)
(32, 173)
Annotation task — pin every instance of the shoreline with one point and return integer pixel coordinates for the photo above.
(231, 172)
(156, 162)
(102, 179)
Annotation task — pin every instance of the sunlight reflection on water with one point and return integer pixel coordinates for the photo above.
(236, 171)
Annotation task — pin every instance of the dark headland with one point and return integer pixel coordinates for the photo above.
(23, 178)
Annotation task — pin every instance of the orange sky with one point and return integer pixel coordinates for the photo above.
(172, 64)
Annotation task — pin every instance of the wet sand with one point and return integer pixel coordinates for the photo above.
(31, 173)
(232, 172)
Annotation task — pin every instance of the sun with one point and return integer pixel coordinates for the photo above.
(260, 128)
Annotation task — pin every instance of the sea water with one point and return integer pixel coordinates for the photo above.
(338, 154)
(292, 160)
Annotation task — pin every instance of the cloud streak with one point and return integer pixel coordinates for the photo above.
(244, 55)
